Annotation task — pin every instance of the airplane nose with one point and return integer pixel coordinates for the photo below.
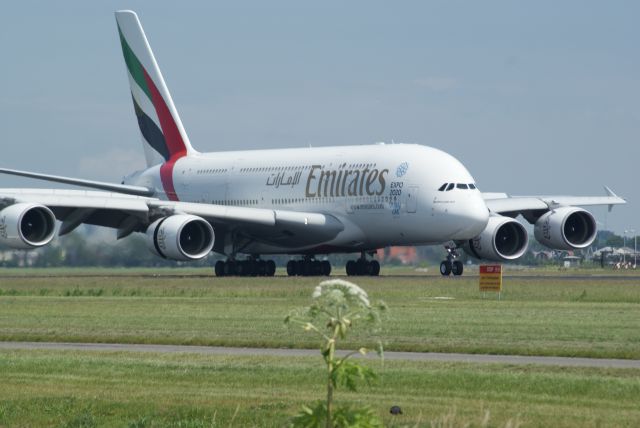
(479, 216)
(476, 216)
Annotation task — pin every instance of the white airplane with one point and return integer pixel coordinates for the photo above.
(305, 202)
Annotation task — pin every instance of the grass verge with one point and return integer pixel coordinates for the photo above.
(62, 388)
(545, 316)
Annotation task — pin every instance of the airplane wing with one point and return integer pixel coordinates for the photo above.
(532, 207)
(101, 185)
(129, 213)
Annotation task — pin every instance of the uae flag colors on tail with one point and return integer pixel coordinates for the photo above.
(163, 136)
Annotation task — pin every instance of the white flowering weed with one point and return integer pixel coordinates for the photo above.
(340, 291)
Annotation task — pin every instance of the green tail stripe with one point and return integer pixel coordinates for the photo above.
(134, 65)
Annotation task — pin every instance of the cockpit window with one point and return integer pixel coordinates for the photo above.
(450, 186)
(444, 186)
(472, 186)
(462, 186)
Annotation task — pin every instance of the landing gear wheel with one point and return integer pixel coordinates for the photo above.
(375, 268)
(363, 267)
(351, 268)
(229, 268)
(451, 265)
(457, 267)
(445, 268)
(291, 268)
(270, 268)
(250, 267)
(241, 268)
(219, 268)
(326, 268)
(316, 268)
(262, 268)
(308, 267)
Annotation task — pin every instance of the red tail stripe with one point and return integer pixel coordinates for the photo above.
(172, 137)
(166, 176)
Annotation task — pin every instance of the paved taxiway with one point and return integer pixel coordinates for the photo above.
(409, 356)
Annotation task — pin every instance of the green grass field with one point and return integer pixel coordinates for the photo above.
(542, 316)
(545, 316)
(85, 389)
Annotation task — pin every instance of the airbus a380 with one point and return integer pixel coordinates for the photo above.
(303, 202)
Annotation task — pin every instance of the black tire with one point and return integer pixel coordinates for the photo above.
(219, 268)
(261, 268)
(326, 268)
(241, 268)
(375, 268)
(351, 268)
(300, 267)
(368, 269)
(445, 268)
(307, 268)
(314, 268)
(270, 268)
(229, 268)
(457, 268)
(291, 267)
(252, 268)
(361, 267)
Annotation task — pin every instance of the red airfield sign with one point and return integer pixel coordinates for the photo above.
(491, 278)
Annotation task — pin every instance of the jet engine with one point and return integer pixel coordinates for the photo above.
(25, 226)
(180, 237)
(566, 228)
(503, 239)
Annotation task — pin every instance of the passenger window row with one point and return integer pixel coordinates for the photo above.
(212, 171)
(277, 168)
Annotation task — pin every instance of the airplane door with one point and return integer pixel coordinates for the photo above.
(411, 199)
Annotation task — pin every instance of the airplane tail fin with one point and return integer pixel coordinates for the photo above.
(163, 136)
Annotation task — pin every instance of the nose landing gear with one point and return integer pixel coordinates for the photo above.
(450, 265)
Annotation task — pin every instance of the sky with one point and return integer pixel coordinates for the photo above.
(535, 98)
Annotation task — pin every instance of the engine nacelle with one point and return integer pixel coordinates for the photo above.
(503, 239)
(181, 237)
(25, 226)
(566, 228)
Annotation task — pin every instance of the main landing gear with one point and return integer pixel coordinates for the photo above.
(308, 267)
(451, 266)
(250, 267)
(363, 267)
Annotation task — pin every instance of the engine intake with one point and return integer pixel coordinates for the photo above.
(566, 228)
(25, 226)
(503, 239)
(181, 237)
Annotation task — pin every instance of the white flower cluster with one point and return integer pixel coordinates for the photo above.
(348, 290)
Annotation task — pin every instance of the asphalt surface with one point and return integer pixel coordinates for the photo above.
(408, 356)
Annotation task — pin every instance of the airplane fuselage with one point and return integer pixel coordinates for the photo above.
(384, 194)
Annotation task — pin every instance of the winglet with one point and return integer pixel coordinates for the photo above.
(612, 194)
(609, 191)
